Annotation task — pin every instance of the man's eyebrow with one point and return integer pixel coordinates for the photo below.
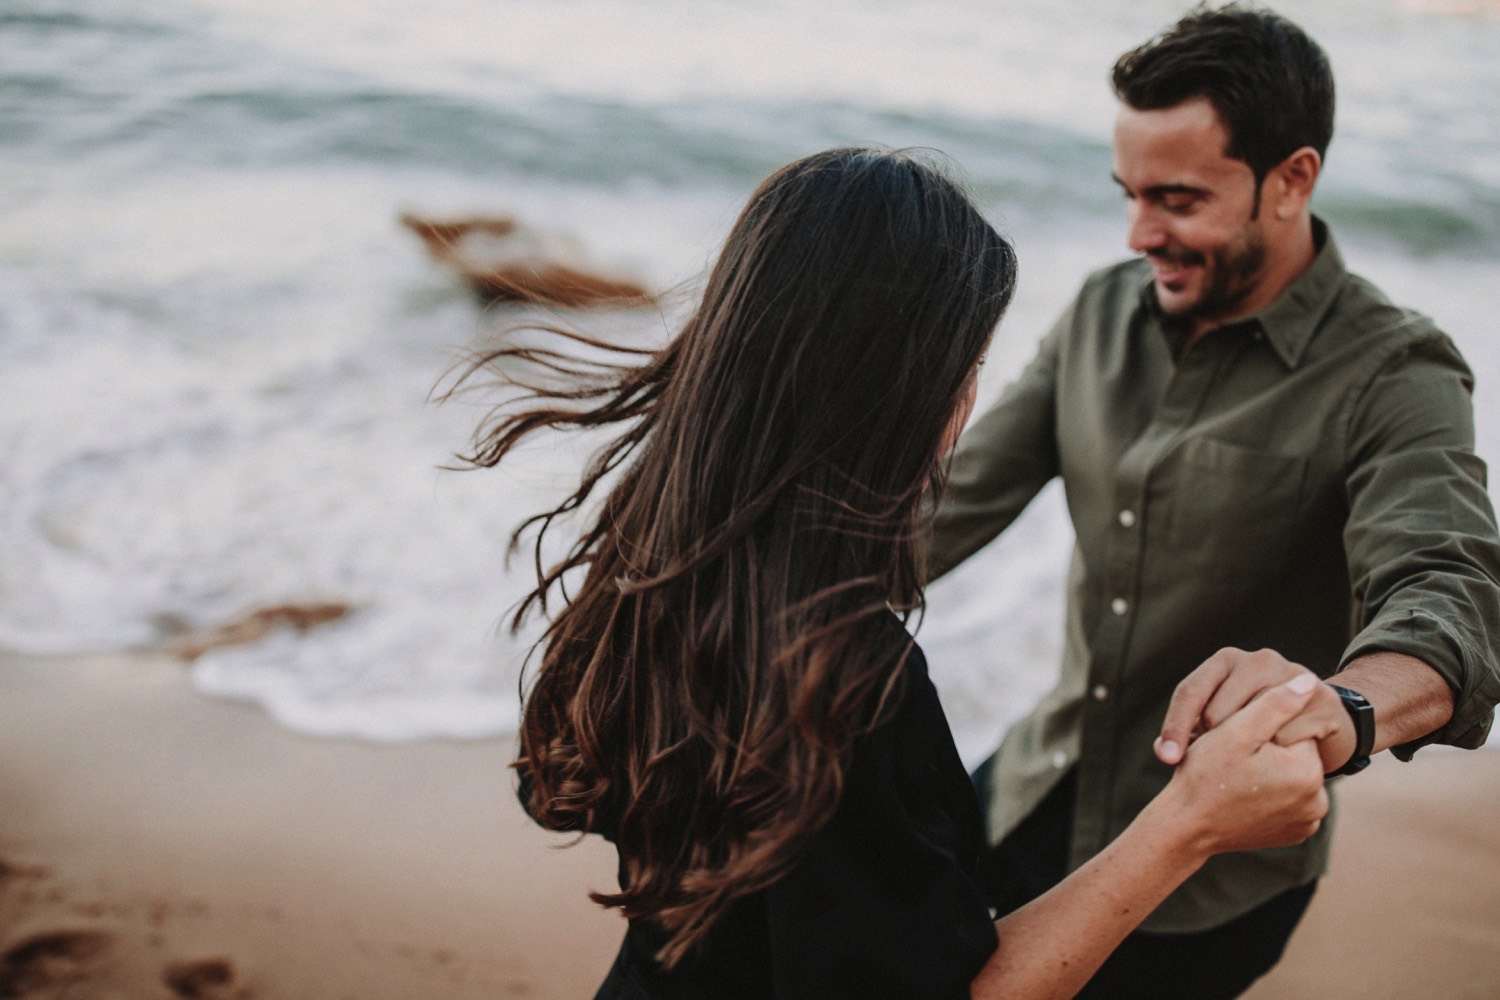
(1159, 190)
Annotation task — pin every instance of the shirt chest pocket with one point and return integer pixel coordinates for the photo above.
(1234, 510)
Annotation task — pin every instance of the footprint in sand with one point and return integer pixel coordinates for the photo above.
(47, 959)
(15, 870)
(203, 979)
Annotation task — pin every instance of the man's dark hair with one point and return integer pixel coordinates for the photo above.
(1269, 82)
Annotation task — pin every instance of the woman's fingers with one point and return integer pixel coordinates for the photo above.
(1249, 792)
(1216, 691)
(1250, 674)
(1260, 720)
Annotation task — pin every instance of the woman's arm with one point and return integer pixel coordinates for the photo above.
(1238, 792)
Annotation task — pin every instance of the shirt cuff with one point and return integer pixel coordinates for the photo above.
(1475, 686)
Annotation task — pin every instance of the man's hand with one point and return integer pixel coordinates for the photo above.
(1242, 791)
(1228, 681)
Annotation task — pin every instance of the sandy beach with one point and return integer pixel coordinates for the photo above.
(158, 844)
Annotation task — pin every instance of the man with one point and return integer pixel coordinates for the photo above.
(1259, 452)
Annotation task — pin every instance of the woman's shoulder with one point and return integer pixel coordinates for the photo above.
(892, 872)
(912, 745)
(890, 638)
(912, 698)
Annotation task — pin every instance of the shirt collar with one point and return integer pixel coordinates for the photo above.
(1289, 321)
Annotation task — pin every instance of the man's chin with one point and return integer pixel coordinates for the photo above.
(1175, 300)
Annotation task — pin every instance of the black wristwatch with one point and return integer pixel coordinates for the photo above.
(1363, 715)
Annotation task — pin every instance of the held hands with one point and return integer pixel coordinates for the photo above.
(1228, 681)
(1240, 790)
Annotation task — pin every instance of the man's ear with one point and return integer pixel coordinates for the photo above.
(1291, 182)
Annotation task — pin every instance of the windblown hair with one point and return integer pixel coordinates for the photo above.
(699, 695)
(1270, 83)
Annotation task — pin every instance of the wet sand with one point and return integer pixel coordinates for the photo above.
(158, 844)
(1410, 908)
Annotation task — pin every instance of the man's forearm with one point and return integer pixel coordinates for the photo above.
(1411, 699)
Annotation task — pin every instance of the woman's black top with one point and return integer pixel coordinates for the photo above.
(883, 903)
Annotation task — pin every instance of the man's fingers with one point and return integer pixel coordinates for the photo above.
(1237, 691)
(1252, 674)
(1302, 727)
(1188, 702)
(1307, 725)
(1264, 717)
(1324, 722)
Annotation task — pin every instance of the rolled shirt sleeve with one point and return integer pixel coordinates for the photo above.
(1424, 563)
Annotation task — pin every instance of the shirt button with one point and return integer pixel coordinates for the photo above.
(1101, 693)
(1060, 760)
(1127, 519)
(1119, 606)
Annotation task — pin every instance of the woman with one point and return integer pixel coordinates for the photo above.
(728, 695)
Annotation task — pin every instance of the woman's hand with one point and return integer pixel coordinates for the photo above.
(1237, 790)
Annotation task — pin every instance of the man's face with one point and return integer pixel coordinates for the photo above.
(1191, 211)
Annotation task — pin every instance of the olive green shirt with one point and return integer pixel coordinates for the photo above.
(1303, 480)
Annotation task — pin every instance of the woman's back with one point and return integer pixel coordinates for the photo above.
(882, 902)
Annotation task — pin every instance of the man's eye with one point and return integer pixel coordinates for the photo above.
(1178, 203)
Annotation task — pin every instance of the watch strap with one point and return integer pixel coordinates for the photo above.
(1362, 714)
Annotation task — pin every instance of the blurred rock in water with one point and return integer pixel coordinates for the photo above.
(503, 260)
(255, 625)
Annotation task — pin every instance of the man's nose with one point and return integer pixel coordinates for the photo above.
(1145, 231)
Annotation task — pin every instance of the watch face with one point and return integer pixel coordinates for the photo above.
(1353, 700)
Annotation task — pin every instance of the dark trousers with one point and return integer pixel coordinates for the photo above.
(1217, 963)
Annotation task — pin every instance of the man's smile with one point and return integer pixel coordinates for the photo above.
(1171, 269)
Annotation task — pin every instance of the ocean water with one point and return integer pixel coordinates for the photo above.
(217, 345)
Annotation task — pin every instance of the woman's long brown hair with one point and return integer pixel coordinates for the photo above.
(700, 693)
